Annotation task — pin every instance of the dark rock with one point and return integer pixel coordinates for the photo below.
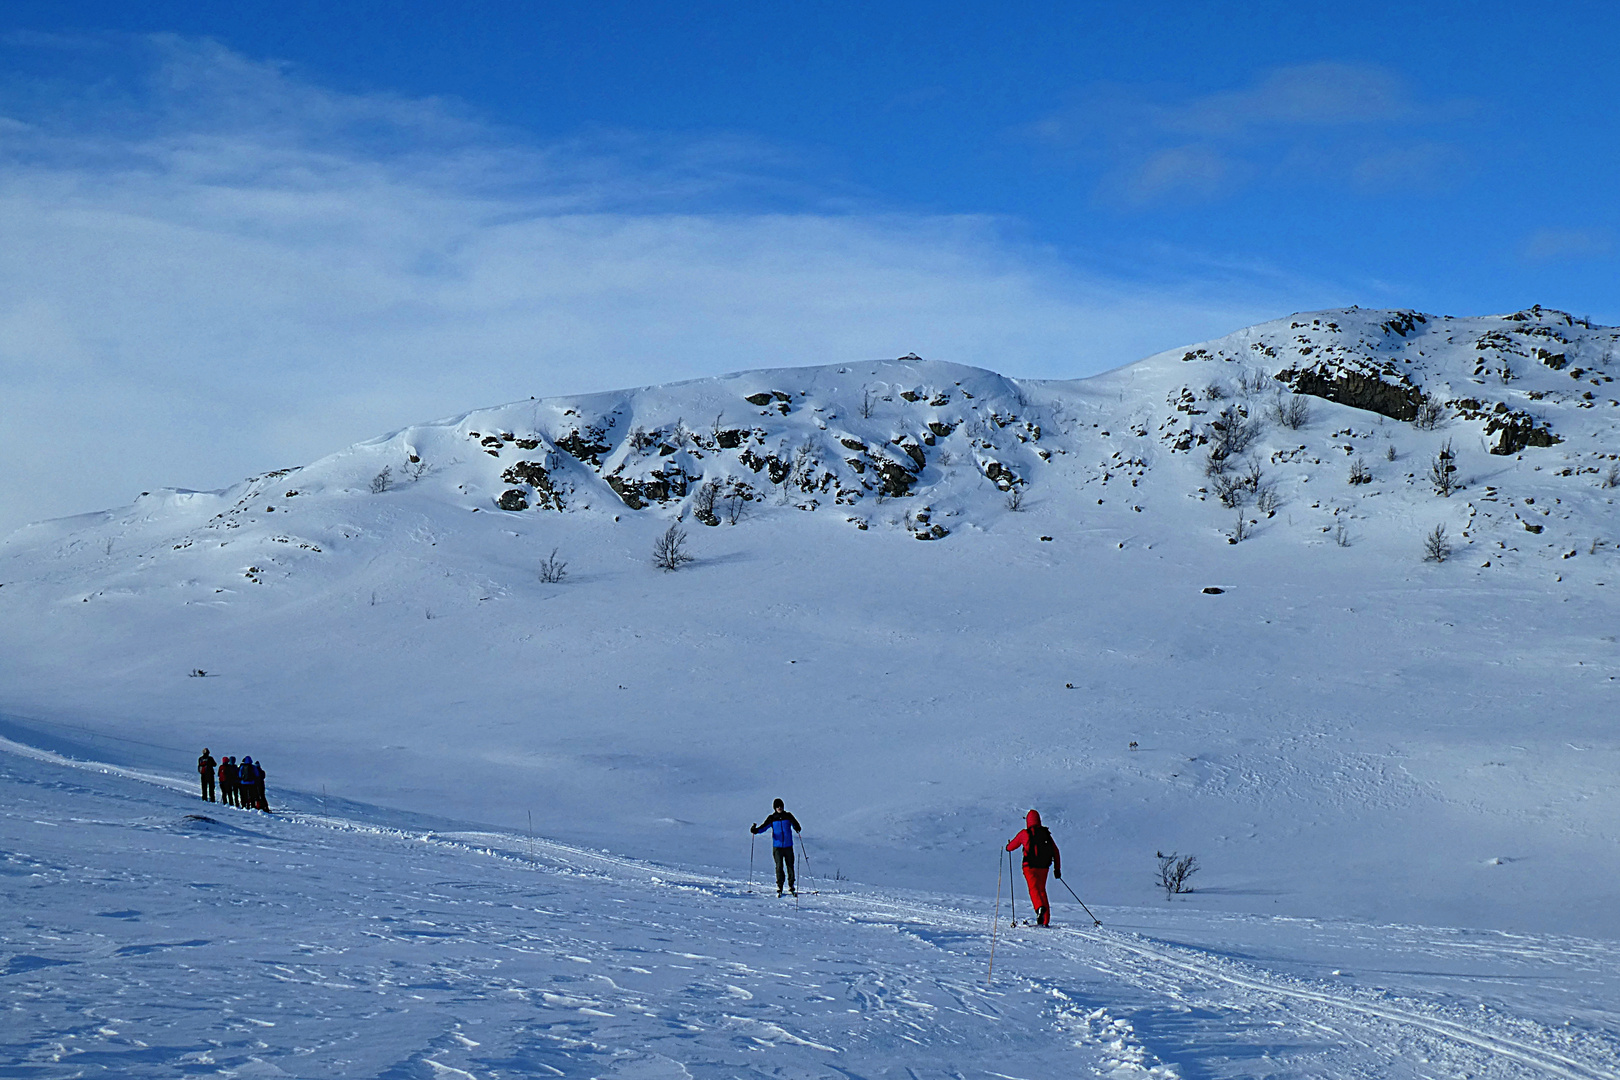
(1355, 384)
(1213, 590)
(513, 499)
(1516, 430)
(762, 399)
(730, 439)
(940, 429)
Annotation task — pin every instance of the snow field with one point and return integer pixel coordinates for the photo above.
(155, 934)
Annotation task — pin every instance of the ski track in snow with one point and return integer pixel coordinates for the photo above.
(151, 935)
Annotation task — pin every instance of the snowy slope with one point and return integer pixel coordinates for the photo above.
(1345, 731)
(151, 935)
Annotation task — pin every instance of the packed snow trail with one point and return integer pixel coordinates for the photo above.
(153, 934)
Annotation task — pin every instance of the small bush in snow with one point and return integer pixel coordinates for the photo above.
(1252, 381)
(1232, 432)
(1240, 531)
(1215, 392)
(736, 507)
(868, 403)
(703, 502)
(1267, 501)
(1228, 488)
(1389, 452)
(1341, 533)
(1252, 477)
(1015, 498)
(1612, 477)
(1443, 471)
(382, 481)
(1291, 411)
(669, 550)
(1436, 546)
(1174, 870)
(552, 569)
(1430, 415)
(1359, 473)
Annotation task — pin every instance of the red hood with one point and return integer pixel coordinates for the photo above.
(1032, 819)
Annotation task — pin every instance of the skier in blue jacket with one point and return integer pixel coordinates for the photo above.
(782, 826)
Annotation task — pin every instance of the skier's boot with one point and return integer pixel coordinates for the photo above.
(1043, 917)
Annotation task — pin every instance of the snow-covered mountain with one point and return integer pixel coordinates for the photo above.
(1327, 602)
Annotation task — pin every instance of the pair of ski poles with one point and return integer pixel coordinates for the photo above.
(1013, 897)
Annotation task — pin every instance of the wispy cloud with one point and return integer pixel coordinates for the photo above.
(1359, 126)
(1567, 245)
(211, 266)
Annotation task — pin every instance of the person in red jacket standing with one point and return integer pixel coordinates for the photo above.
(1040, 854)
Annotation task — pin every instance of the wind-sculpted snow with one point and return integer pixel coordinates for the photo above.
(151, 934)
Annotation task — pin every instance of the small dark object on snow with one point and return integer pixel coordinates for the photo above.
(1133, 744)
(1213, 590)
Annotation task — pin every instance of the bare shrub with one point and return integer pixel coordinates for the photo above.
(1436, 546)
(416, 468)
(703, 502)
(552, 569)
(1252, 476)
(1359, 473)
(1389, 452)
(1292, 411)
(1228, 488)
(1015, 498)
(669, 550)
(1267, 501)
(1430, 415)
(1232, 432)
(382, 481)
(1215, 392)
(1341, 533)
(736, 507)
(1612, 477)
(641, 439)
(1240, 531)
(1174, 872)
(1443, 471)
(868, 403)
(1251, 381)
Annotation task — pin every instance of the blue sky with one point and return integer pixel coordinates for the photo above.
(242, 235)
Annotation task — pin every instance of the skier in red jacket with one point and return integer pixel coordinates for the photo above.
(1040, 853)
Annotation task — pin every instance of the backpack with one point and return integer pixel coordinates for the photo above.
(1038, 851)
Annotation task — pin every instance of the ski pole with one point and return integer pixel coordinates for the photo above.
(1094, 920)
(750, 862)
(995, 923)
(1012, 888)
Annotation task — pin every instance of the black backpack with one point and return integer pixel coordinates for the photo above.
(1038, 852)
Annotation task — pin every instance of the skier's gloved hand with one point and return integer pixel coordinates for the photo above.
(1058, 874)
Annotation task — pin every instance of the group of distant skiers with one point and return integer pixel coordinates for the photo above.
(241, 783)
(1040, 855)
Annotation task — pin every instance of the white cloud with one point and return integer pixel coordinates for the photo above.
(229, 269)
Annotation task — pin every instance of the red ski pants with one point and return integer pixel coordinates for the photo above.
(1036, 877)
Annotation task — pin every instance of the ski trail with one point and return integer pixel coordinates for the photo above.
(1548, 1061)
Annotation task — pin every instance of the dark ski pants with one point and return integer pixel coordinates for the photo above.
(227, 794)
(1035, 877)
(784, 867)
(207, 785)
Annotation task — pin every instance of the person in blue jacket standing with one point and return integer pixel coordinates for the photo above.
(782, 826)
